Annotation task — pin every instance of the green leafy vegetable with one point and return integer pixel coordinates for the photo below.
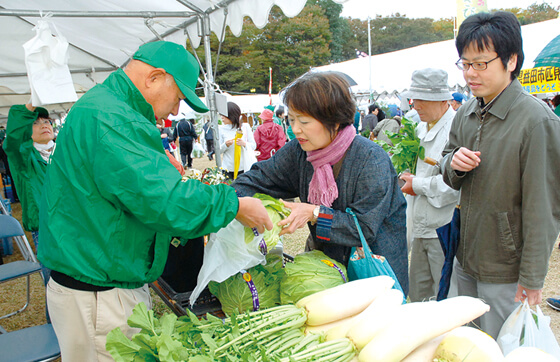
(234, 293)
(277, 212)
(309, 274)
(406, 149)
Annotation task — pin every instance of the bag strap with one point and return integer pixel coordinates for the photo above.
(367, 250)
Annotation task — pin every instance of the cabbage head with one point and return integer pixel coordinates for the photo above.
(277, 212)
(234, 293)
(309, 274)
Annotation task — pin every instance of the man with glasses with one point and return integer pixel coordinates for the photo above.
(502, 155)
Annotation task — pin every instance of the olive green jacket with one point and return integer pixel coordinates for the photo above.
(510, 204)
(113, 199)
(26, 164)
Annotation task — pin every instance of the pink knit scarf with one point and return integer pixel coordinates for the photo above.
(322, 188)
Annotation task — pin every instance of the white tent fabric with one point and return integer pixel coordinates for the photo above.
(391, 72)
(104, 34)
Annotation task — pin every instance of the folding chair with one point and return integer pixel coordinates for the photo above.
(38, 343)
(10, 227)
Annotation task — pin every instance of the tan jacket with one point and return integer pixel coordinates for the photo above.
(510, 203)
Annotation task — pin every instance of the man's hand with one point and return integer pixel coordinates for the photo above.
(465, 160)
(300, 215)
(252, 214)
(533, 296)
(407, 187)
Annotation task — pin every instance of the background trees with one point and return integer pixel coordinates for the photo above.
(318, 36)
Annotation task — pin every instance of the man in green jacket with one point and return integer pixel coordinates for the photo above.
(502, 155)
(112, 200)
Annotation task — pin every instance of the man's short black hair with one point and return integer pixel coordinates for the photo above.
(500, 31)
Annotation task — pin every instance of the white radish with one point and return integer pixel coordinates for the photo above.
(388, 299)
(425, 352)
(367, 329)
(344, 300)
(468, 344)
(324, 328)
(417, 323)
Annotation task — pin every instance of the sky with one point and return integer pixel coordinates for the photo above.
(435, 9)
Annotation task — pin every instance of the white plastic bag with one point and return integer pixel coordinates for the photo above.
(46, 60)
(248, 158)
(526, 328)
(225, 255)
(197, 151)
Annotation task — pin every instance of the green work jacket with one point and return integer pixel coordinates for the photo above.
(112, 199)
(27, 166)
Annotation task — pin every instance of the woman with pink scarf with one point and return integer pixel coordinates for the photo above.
(330, 168)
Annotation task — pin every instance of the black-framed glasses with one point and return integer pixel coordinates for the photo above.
(475, 65)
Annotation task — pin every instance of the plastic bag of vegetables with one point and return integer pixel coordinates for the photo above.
(310, 272)
(258, 287)
(235, 247)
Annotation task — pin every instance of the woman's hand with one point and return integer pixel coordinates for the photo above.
(300, 215)
(241, 142)
(230, 142)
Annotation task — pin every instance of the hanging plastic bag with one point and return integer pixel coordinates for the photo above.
(526, 328)
(46, 60)
(248, 158)
(197, 151)
(226, 253)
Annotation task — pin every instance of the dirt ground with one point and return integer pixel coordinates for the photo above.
(13, 293)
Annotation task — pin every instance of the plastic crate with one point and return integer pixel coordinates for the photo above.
(205, 303)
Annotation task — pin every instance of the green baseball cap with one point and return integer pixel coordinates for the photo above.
(178, 62)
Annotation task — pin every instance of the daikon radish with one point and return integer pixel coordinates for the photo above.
(367, 329)
(417, 323)
(389, 298)
(531, 354)
(323, 328)
(344, 300)
(425, 352)
(468, 344)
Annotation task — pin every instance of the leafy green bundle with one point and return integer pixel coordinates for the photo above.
(277, 212)
(234, 293)
(406, 149)
(310, 272)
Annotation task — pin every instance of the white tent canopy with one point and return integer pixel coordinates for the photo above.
(104, 34)
(391, 72)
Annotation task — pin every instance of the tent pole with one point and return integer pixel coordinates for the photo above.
(209, 90)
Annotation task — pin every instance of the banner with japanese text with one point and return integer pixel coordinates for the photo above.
(540, 80)
(466, 8)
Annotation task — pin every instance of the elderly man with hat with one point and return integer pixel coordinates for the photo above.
(430, 201)
(269, 136)
(457, 100)
(112, 200)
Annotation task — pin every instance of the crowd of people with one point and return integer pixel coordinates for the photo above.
(104, 203)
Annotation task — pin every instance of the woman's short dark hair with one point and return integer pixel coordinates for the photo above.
(380, 114)
(324, 96)
(500, 30)
(234, 114)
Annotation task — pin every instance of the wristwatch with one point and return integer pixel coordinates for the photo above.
(315, 214)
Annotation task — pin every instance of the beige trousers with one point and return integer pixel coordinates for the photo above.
(82, 320)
